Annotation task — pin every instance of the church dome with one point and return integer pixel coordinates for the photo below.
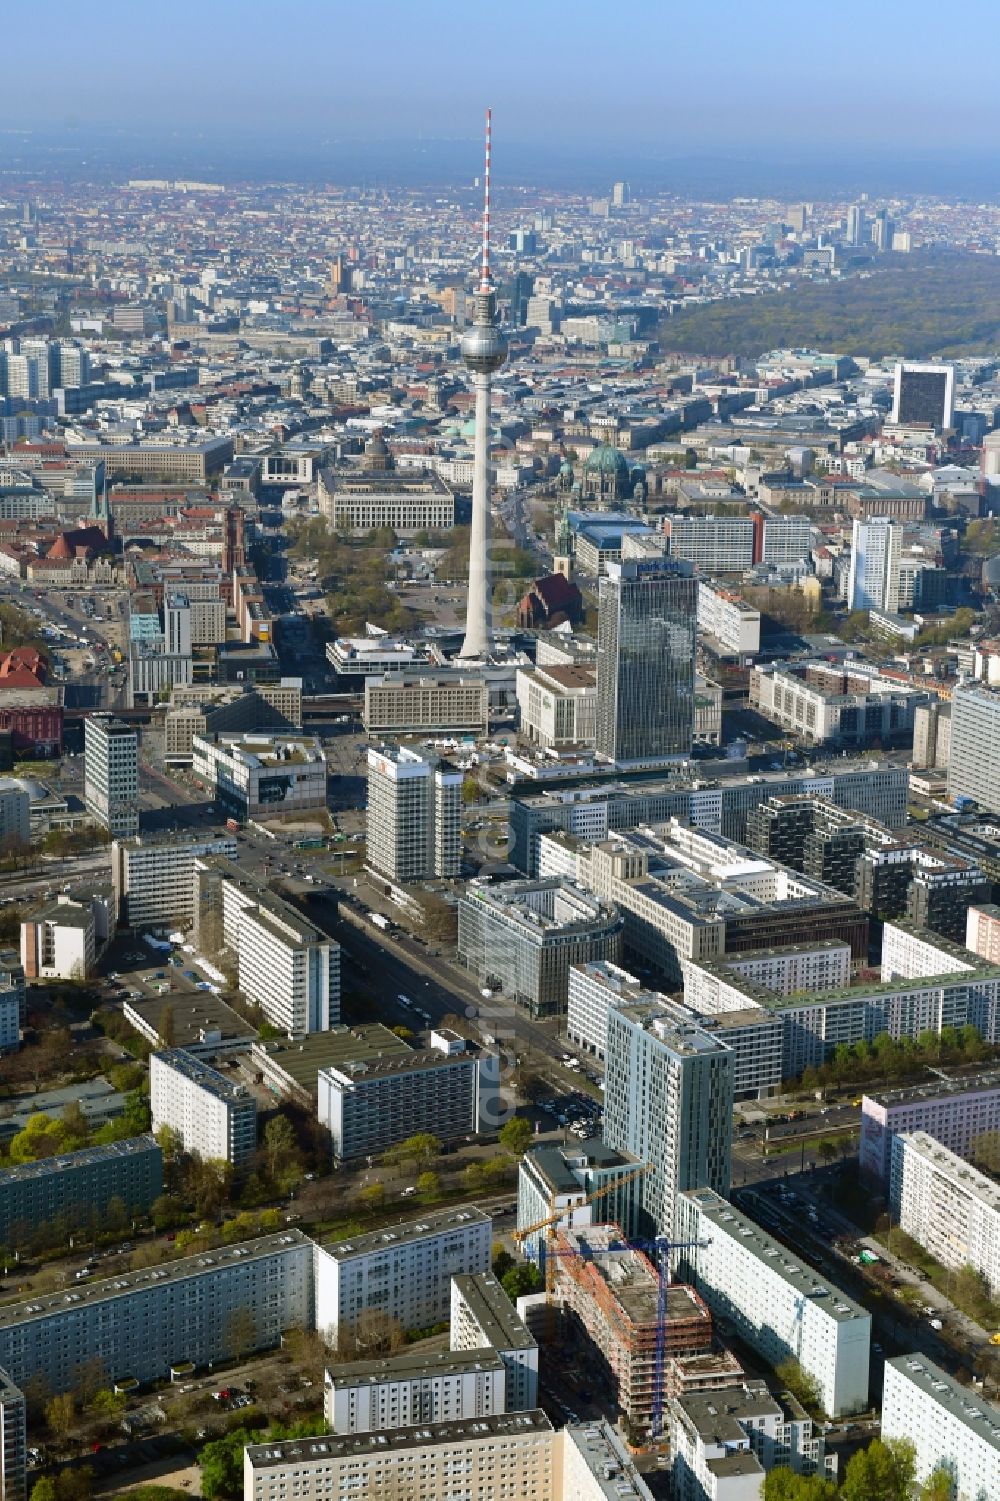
(607, 460)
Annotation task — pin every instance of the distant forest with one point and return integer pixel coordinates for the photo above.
(942, 304)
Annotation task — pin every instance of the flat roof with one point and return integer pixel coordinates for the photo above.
(133, 1146)
(939, 1089)
(51, 1304)
(193, 1012)
(405, 1232)
(966, 1406)
(203, 1074)
(961, 1173)
(302, 1059)
(493, 1311)
(411, 1366)
(756, 1242)
(348, 1445)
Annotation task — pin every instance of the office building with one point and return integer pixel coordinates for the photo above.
(557, 705)
(13, 1441)
(262, 776)
(593, 987)
(947, 1205)
(360, 501)
(974, 754)
(174, 457)
(202, 709)
(411, 1390)
(952, 1111)
(855, 224)
(779, 1306)
(111, 774)
(77, 1187)
(215, 1117)
(153, 876)
(483, 1317)
(522, 936)
(730, 626)
(668, 1098)
(414, 815)
(551, 1178)
(609, 1298)
(924, 396)
(825, 703)
(594, 808)
(59, 941)
(723, 1443)
(873, 582)
(932, 737)
(177, 624)
(445, 702)
(950, 1426)
(206, 1309)
(286, 965)
(15, 805)
(369, 1100)
(645, 662)
(402, 1273)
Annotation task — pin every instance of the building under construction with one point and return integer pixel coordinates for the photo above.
(608, 1296)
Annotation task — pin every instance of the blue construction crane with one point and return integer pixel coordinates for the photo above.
(660, 1249)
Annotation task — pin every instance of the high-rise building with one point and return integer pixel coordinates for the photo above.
(13, 1441)
(645, 661)
(287, 966)
(924, 395)
(177, 625)
(111, 774)
(974, 753)
(945, 1204)
(484, 350)
(621, 195)
(668, 1100)
(153, 877)
(952, 1427)
(215, 1117)
(873, 582)
(855, 224)
(414, 814)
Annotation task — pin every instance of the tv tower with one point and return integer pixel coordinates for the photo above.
(484, 350)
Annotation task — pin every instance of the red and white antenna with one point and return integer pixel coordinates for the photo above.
(486, 282)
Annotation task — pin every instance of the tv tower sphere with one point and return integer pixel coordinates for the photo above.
(484, 350)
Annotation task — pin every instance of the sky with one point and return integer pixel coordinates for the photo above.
(848, 86)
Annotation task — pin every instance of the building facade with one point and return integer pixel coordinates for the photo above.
(215, 1117)
(414, 815)
(952, 1112)
(153, 877)
(77, 1186)
(111, 774)
(13, 1441)
(483, 1317)
(946, 1204)
(951, 1427)
(262, 776)
(286, 965)
(367, 1106)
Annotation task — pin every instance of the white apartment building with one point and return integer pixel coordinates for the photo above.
(593, 987)
(952, 1112)
(13, 1441)
(262, 775)
(403, 1272)
(982, 932)
(410, 1390)
(153, 877)
(950, 1426)
(216, 1118)
(873, 581)
(369, 1105)
(723, 1443)
(728, 620)
(668, 1101)
(557, 705)
(483, 1317)
(946, 1204)
(801, 967)
(777, 1304)
(286, 965)
(15, 805)
(140, 1323)
(111, 774)
(59, 942)
(915, 954)
(414, 815)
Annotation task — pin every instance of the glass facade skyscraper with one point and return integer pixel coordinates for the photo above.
(645, 660)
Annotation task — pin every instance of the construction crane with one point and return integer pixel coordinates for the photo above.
(659, 1251)
(549, 1223)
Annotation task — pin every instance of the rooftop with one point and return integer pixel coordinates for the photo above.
(413, 1365)
(493, 1311)
(443, 1222)
(962, 1404)
(302, 1059)
(939, 1089)
(203, 1074)
(961, 1174)
(133, 1146)
(346, 1446)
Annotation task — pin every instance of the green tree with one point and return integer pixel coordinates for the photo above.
(800, 1383)
(471, 791)
(170, 1141)
(516, 1135)
(60, 1414)
(429, 1186)
(421, 1149)
(939, 1486)
(279, 1142)
(221, 1464)
(241, 1333)
(522, 1279)
(783, 1484)
(502, 1260)
(108, 1402)
(372, 1197)
(41, 1137)
(885, 1471)
(76, 1484)
(44, 1489)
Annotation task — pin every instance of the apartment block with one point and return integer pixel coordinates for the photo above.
(593, 987)
(723, 1443)
(13, 1442)
(483, 1317)
(730, 624)
(974, 754)
(952, 1111)
(216, 1117)
(153, 877)
(402, 1273)
(59, 941)
(777, 1304)
(287, 966)
(551, 1178)
(785, 971)
(414, 815)
(668, 1099)
(141, 1323)
(521, 937)
(77, 1185)
(951, 1427)
(946, 1204)
(411, 1390)
(912, 953)
(111, 774)
(982, 931)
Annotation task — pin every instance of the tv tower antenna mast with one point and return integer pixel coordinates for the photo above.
(484, 350)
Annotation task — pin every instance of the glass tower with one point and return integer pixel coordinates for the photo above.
(645, 661)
